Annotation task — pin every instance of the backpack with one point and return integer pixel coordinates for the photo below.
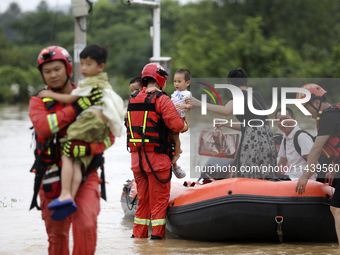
(322, 159)
(296, 142)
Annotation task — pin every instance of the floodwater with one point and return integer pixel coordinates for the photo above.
(23, 231)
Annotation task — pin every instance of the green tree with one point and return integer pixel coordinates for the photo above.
(12, 13)
(16, 84)
(38, 28)
(42, 6)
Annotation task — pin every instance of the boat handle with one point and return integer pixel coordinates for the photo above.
(277, 219)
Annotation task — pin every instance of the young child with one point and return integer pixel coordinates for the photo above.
(181, 83)
(93, 125)
(135, 84)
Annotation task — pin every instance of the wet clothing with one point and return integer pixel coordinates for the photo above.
(153, 195)
(51, 121)
(257, 147)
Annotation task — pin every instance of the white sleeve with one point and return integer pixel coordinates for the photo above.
(84, 91)
(306, 143)
(282, 151)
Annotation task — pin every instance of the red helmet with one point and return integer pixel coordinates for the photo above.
(155, 71)
(52, 53)
(315, 90)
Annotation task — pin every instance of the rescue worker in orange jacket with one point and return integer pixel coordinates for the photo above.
(149, 117)
(326, 142)
(50, 120)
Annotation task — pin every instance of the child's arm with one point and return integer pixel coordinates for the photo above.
(63, 98)
(186, 107)
(152, 89)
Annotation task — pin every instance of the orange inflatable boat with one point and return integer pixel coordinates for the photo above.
(245, 209)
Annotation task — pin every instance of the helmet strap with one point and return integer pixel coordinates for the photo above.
(316, 109)
(319, 106)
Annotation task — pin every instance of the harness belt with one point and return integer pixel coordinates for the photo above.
(146, 127)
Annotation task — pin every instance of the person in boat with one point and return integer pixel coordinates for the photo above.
(293, 137)
(277, 139)
(257, 147)
(149, 117)
(327, 142)
(50, 120)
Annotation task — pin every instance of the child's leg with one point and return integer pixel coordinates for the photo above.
(66, 178)
(177, 142)
(177, 170)
(77, 177)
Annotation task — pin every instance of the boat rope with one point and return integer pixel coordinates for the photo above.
(279, 221)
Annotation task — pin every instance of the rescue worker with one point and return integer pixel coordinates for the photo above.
(149, 117)
(50, 120)
(327, 142)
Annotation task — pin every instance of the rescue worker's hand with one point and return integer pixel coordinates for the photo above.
(150, 90)
(95, 98)
(76, 149)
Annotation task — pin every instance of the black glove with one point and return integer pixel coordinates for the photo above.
(75, 149)
(95, 98)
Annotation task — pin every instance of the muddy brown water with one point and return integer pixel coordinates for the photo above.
(23, 231)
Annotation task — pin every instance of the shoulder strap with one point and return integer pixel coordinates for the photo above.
(40, 168)
(97, 162)
(285, 144)
(267, 117)
(158, 94)
(296, 141)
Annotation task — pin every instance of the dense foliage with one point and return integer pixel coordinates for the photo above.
(269, 39)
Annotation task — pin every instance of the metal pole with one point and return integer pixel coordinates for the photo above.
(157, 30)
(79, 45)
(155, 33)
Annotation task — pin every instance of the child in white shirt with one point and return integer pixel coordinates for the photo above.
(181, 82)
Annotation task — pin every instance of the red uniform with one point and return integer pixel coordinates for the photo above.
(48, 122)
(153, 195)
(330, 127)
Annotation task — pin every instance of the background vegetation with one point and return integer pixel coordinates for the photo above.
(269, 39)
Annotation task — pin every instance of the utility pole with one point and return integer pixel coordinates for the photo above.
(155, 32)
(79, 11)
